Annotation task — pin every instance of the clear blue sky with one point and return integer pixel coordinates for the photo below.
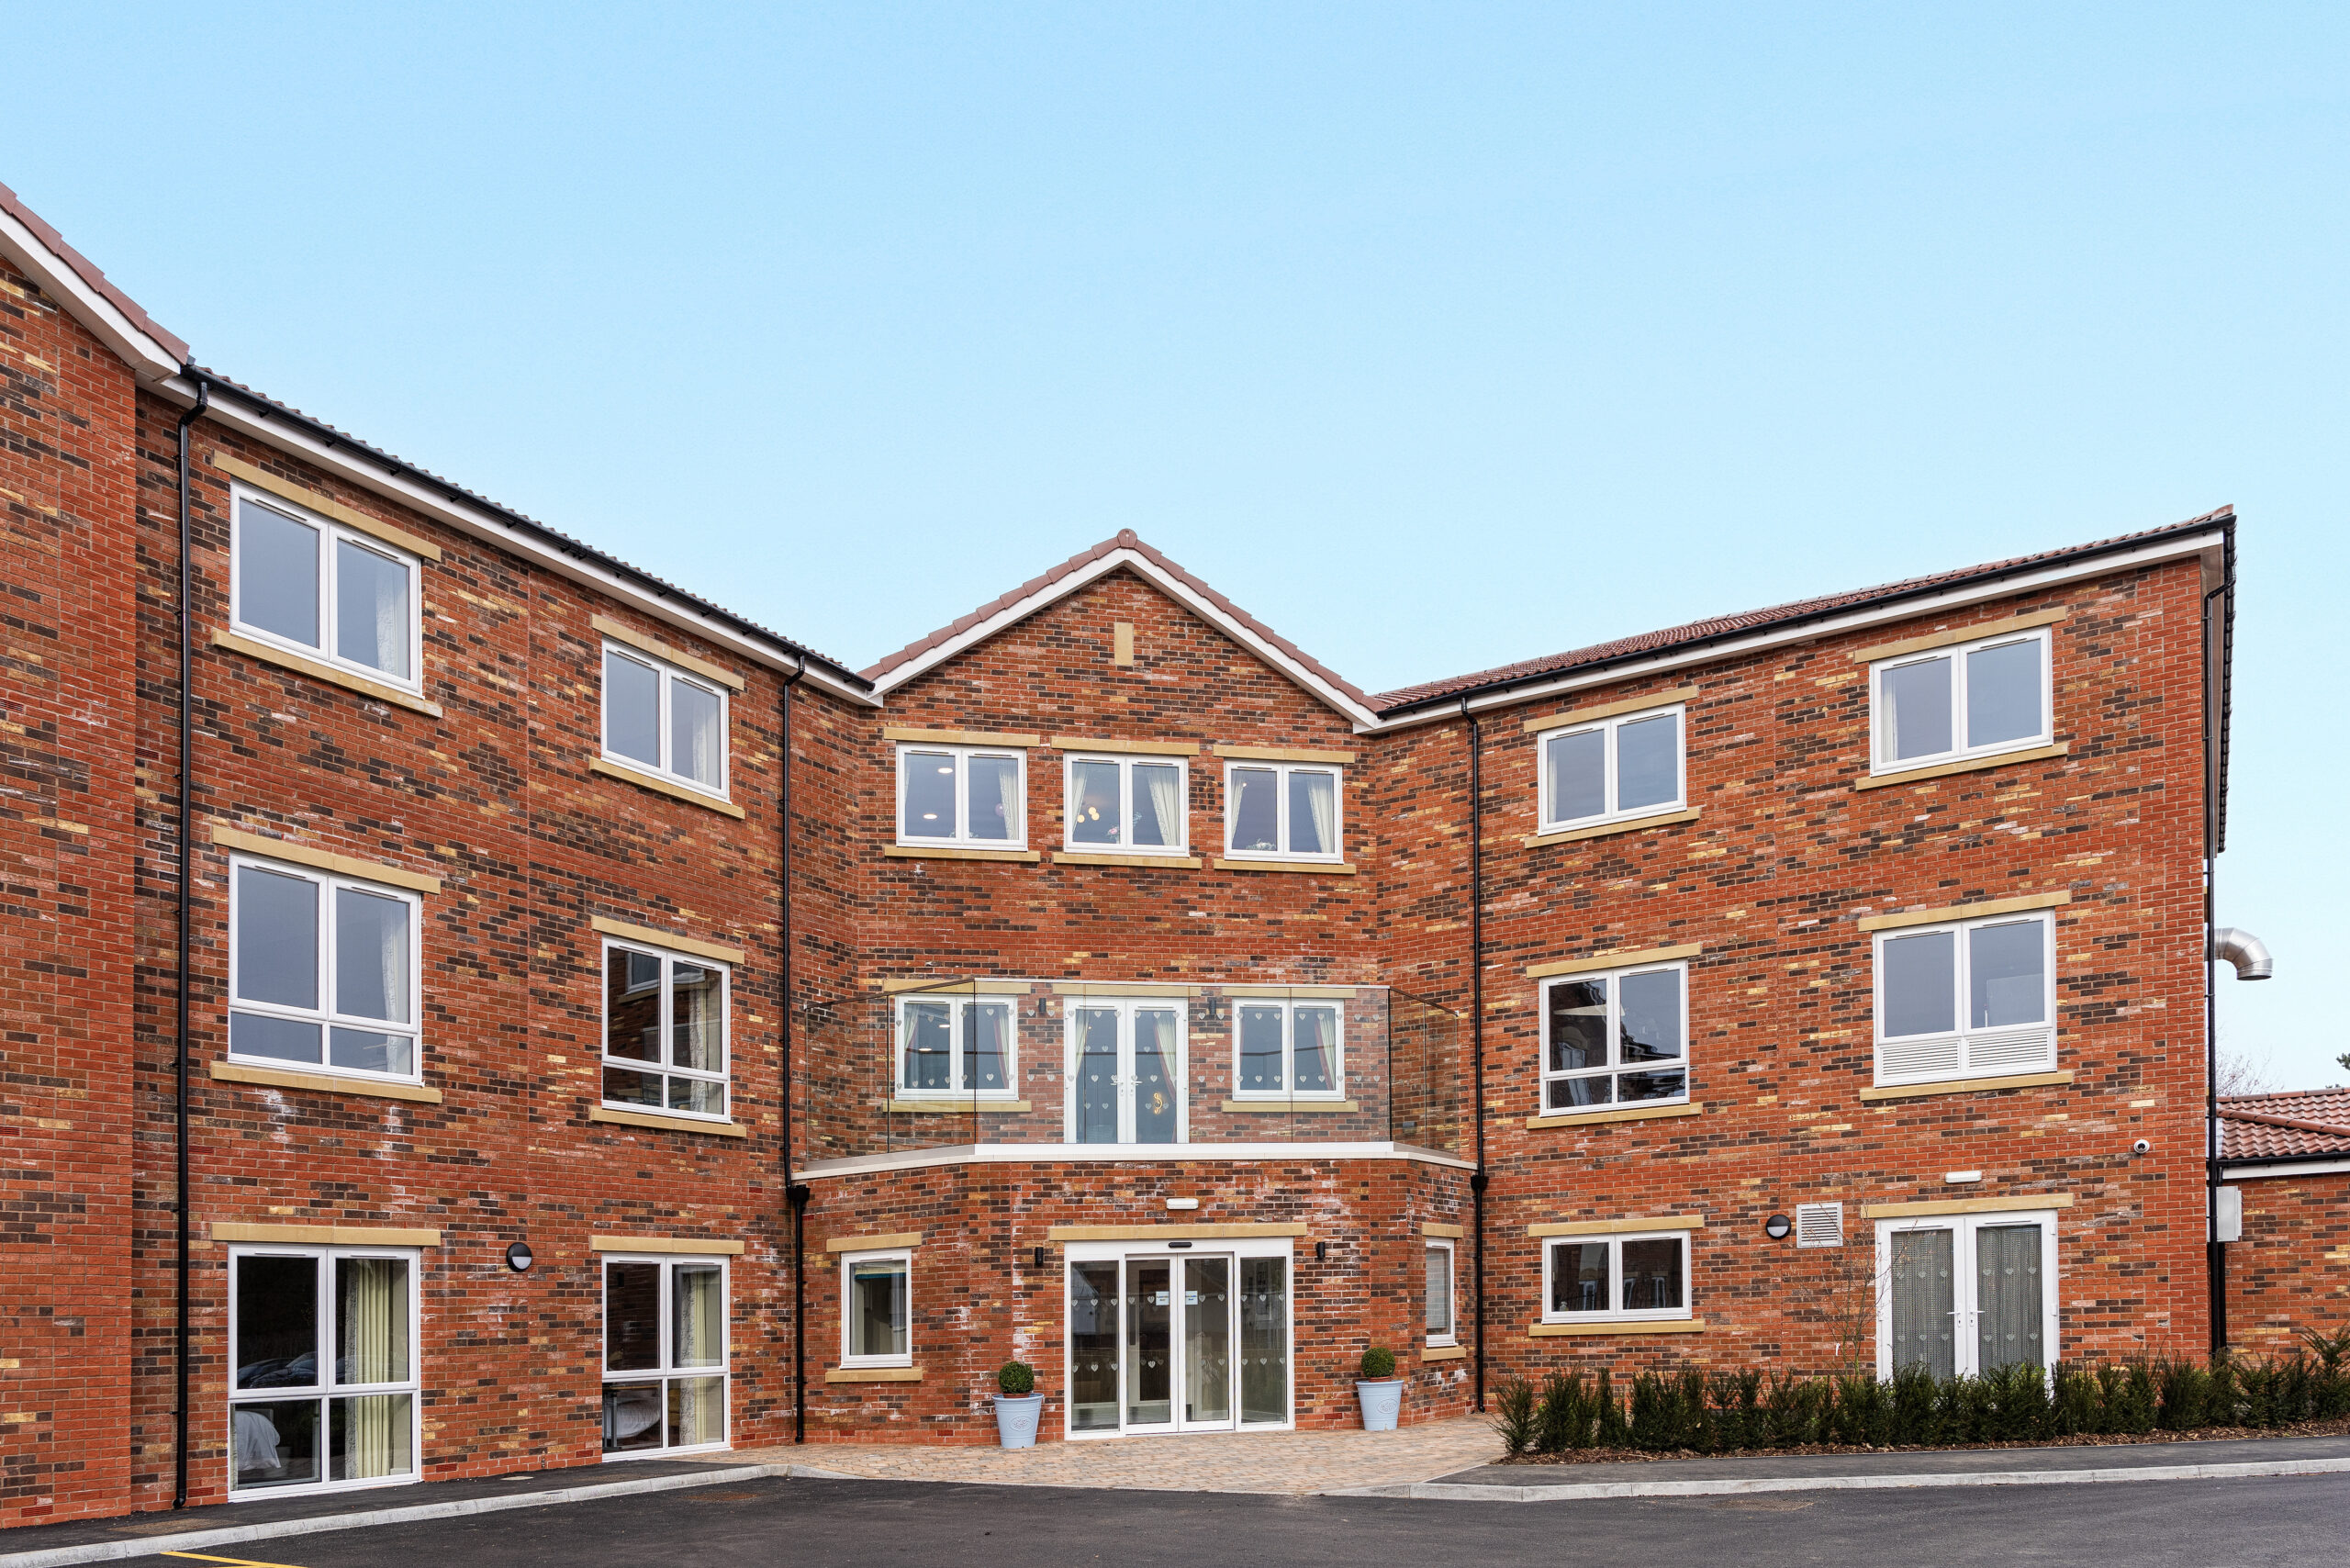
(1437, 336)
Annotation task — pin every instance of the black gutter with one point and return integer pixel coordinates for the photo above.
(179, 1038)
(795, 1193)
(1477, 1178)
(2253, 1161)
(2215, 1255)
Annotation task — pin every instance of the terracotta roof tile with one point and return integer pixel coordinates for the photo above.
(2293, 1125)
(88, 272)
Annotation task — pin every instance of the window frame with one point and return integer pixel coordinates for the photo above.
(724, 1077)
(1610, 726)
(1614, 1241)
(1431, 1246)
(1963, 1036)
(668, 676)
(1289, 1006)
(960, 838)
(1282, 770)
(326, 958)
(330, 533)
(1126, 763)
(327, 1389)
(1545, 1077)
(958, 1006)
(1880, 713)
(667, 1371)
(902, 1255)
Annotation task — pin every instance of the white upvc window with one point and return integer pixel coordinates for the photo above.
(1614, 769)
(1966, 1294)
(1436, 1318)
(323, 971)
(1966, 1000)
(664, 1355)
(973, 796)
(662, 720)
(1618, 1037)
(665, 1031)
(1283, 811)
(1627, 1278)
(1137, 805)
(323, 1349)
(1968, 700)
(877, 1308)
(313, 586)
(957, 1046)
(1288, 1051)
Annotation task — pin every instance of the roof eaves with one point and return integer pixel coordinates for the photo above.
(170, 350)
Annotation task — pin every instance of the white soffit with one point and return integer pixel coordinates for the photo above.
(148, 359)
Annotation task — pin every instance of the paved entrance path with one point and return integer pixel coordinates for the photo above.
(1292, 1463)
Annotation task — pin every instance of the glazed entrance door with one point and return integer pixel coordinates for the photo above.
(1125, 1072)
(1169, 1342)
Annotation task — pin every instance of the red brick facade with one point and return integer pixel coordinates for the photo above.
(2292, 1271)
(485, 793)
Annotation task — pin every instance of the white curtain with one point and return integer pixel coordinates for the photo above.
(1167, 802)
(1007, 784)
(1322, 800)
(395, 962)
(374, 1323)
(391, 621)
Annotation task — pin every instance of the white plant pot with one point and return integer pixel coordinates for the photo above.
(1015, 1418)
(1382, 1403)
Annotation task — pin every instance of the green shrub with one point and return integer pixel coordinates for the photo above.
(1654, 1424)
(1016, 1377)
(1612, 1431)
(1796, 1409)
(2223, 1400)
(2075, 1404)
(1916, 1408)
(1697, 1420)
(2111, 1377)
(2132, 1409)
(1514, 1416)
(2186, 1390)
(2295, 1399)
(1863, 1411)
(1565, 1414)
(2019, 1398)
(2257, 1392)
(2330, 1390)
(1378, 1362)
(1735, 1425)
(1969, 1411)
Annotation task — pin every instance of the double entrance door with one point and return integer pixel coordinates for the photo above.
(1966, 1292)
(1176, 1341)
(1125, 1072)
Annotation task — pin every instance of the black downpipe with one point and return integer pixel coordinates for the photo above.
(2215, 1252)
(1477, 1178)
(794, 1191)
(179, 1037)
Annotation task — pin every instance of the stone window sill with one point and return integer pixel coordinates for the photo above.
(323, 1082)
(643, 781)
(1143, 862)
(1966, 1085)
(319, 669)
(1971, 765)
(873, 1374)
(1444, 1354)
(666, 1124)
(1324, 867)
(1602, 829)
(1669, 1326)
(1628, 1113)
(915, 852)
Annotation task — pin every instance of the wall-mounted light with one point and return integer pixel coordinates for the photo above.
(1040, 1258)
(1777, 1226)
(1044, 1007)
(1321, 1251)
(1212, 1010)
(518, 1257)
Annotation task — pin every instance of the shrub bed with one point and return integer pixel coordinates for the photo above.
(1735, 1412)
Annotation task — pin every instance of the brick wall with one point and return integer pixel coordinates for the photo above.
(2291, 1271)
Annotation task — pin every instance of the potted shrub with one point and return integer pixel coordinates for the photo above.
(1017, 1408)
(1381, 1391)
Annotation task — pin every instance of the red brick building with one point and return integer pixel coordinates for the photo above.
(2287, 1158)
(612, 1029)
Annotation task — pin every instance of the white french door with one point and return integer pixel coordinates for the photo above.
(1966, 1294)
(1125, 1072)
(1172, 1341)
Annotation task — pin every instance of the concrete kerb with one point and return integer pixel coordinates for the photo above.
(235, 1535)
(1735, 1486)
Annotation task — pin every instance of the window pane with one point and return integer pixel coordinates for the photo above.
(372, 1437)
(696, 1016)
(1313, 813)
(694, 736)
(1264, 1340)
(1155, 1084)
(632, 710)
(2007, 1297)
(926, 1044)
(2006, 975)
(1652, 1274)
(1093, 802)
(696, 1411)
(286, 1040)
(277, 1443)
(633, 1316)
(1917, 709)
(368, 1052)
(1578, 775)
(1630, 1086)
(277, 1322)
(1647, 762)
(1578, 1025)
(1255, 809)
(702, 1096)
(930, 795)
(878, 1308)
(631, 1004)
(1159, 804)
(622, 1087)
(1438, 1316)
(371, 1320)
(1920, 983)
(1924, 1299)
(371, 963)
(632, 1416)
(2003, 693)
(277, 574)
(1652, 1016)
(372, 619)
(1260, 1051)
(985, 1026)
(1097, 1075)
(1314, 1043)
(698, 1316)
(1573, 1093)
(1579, 1277)
(277, 938)
(1094, 1346)
(995, 798)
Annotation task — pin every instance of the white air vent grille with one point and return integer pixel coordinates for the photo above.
(1819, 1224)
(2012, 1048)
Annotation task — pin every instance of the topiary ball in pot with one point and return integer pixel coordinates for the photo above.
(1018, 1406)
(1381, 1392)
(1016, 1377)
(1379, 1362)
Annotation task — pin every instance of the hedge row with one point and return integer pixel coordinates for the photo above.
(1732, 1412)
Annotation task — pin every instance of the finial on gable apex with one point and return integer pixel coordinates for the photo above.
(1127, 536)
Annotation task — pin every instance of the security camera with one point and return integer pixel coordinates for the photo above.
(2141, 1147)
